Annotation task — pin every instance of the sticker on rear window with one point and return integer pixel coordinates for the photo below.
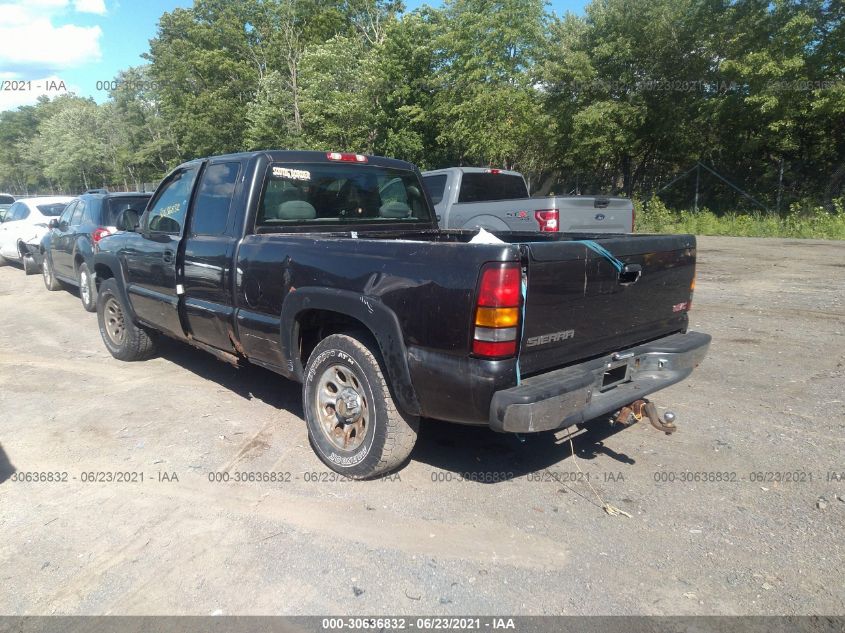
(292, 174)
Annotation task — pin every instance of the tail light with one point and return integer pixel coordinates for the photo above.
(346, 158)
(548, 219)
(497, 311)
(691, 292)
(99, 233)
(633, 217)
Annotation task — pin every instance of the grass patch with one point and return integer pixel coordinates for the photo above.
(801, 222)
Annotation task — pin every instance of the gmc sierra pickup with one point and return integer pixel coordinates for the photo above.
(329, 269)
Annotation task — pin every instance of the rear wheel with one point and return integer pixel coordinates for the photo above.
(50, 280)
(123, 339)
(29, 265)
(87, 288)
(353, 423)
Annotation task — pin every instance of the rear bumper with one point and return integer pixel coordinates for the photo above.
(575, 394)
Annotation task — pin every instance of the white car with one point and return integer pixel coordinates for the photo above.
(26, 222)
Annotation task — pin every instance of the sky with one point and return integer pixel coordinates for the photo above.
(50, 47)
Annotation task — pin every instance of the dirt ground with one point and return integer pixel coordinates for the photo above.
(740, 512)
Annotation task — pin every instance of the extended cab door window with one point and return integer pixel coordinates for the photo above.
(211, 209)
(168, 210)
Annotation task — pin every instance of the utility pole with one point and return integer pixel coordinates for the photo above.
(697, 175)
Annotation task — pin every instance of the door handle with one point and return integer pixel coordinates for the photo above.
(168, 256)
(630, 274)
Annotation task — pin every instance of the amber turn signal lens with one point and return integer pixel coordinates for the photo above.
(497, 317)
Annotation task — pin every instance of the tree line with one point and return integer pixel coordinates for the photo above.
(626, 99)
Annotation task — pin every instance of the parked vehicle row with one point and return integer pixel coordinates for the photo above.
(330, 269)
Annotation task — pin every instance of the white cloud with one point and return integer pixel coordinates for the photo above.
(27, 92)
(90, 6)
(32, 44)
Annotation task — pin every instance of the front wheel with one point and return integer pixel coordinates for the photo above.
(123, 339)
(353, 423)
(87, 288)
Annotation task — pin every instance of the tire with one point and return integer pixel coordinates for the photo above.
(29, 265)
(50, 281)
(124, 340)
(343, 365)
(87, 288)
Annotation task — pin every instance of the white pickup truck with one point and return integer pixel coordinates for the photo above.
(498, 200)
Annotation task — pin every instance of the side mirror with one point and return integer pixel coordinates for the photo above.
(128, 220)
(53, 224)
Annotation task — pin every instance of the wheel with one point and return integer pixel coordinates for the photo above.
(353, 423)
(50, 280)
(87, 288)
(123, 339)
(29, 265)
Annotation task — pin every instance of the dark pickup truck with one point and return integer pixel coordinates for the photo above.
(329, 269)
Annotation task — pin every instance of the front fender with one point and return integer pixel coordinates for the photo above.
(380, 320)
(111, 262)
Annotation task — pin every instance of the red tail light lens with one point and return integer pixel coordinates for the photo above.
(548, 219)
(99, 234)
(633, 217)
(500, 286)
(346, 158)
(497, 311)
(493, 350)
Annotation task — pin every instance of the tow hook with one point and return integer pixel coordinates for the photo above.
(635, 411)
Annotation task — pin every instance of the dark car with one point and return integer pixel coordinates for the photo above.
(68, 248)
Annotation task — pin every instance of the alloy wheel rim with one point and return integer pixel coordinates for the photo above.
(84, 288)
(342, 407)
(114, 321)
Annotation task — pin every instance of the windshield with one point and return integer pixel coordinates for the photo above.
(318, 193)
(53, 209)
(115, 206)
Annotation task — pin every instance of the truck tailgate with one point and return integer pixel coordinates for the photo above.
(594, 214)
(577, 307)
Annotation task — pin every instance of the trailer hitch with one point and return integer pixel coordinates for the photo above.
(635, 411)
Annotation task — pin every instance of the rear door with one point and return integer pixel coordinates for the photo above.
(209, 248)
(578, 306)
(151, 255)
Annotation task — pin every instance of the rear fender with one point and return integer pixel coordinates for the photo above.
(380, 320)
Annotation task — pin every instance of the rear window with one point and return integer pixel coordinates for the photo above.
(484, 187)
(319, 193)
(53, 209)
(5, 198)
(115, 206)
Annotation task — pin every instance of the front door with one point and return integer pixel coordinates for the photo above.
(151, 255)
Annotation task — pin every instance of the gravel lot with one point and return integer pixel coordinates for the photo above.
(761, 532)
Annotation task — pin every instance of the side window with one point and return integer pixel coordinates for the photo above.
(435, 185)
(76, 219)
(22, 212)
(167, 212)
(14, 212)
(68, 212)
(211, 209)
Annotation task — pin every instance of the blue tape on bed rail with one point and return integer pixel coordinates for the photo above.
(601, 250)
